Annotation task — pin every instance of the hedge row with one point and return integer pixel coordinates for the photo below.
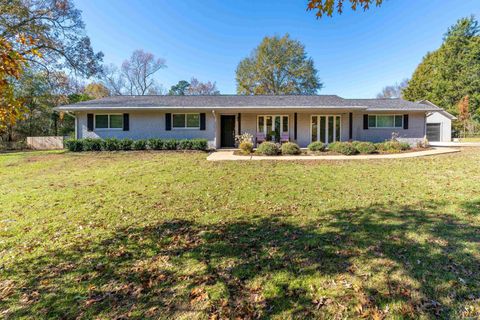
(354, 147)
(113, 144)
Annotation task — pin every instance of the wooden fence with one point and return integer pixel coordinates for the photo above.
(45, 143)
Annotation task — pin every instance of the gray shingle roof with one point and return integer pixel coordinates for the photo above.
(240, 101)
(391, 104)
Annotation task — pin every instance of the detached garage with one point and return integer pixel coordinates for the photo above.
(439, 124)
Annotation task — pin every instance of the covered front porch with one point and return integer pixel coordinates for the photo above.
(284, 125)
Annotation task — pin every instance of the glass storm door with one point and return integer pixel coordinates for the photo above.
(273, 123)
(325, 128)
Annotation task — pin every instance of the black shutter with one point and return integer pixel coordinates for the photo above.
(350, 126)
(202, 121)
(365, 121)
(239, 117)
(126, 122)
(90, 121)
(295, 126)
(405, 121)
(168, 121)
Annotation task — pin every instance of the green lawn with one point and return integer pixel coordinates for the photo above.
(475, 139)
(170, 235)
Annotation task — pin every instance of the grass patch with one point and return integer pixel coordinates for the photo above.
(170, 235)
(473, 139)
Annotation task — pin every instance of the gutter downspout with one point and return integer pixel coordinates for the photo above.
(425, 127)
(76, 125)
(216, 131)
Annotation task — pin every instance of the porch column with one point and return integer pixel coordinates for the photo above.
(215, 140)
(239, 127)
(295, 126)
(350, 126)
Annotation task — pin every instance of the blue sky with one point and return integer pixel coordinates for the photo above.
(356, 53)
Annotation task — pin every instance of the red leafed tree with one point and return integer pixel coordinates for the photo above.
(464, 113)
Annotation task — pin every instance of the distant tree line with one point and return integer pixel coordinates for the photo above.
(449, 76)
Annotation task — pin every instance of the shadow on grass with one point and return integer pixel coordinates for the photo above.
(472, 207)
(347, 263)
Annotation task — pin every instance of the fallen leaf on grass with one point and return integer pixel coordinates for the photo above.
(198, 294)
(93, 300)
(6, 288)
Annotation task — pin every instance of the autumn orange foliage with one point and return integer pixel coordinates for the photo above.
(464, 112)
(12, 63)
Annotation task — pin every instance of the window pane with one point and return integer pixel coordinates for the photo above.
(385, 121)
(261, 126)
(101, 121)
(193, 120)
(330, 129)
(269, 121)
(337, 128)
(116, 121)
(314, 128)
(372, 121)
(398, 121)
(285, 124)
(179, 121)
(323, 126)
(277, 125)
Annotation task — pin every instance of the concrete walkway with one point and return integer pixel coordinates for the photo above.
(229, 156)
(455, 144)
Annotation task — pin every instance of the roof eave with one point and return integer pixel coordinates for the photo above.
(74, 108)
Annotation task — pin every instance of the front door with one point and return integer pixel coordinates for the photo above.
(227, 128)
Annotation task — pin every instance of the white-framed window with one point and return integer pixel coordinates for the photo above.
(387, 121)
(109, 121)
(186, 121)
(325, 128)
(272, 123)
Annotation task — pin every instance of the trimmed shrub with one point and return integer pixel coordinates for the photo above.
(345, 148)
(246, 147)
(185, 144)
(317, 146)
(404, 146)
(392, 146)
(125, 144)
(139, 145)
(268, 149)
(199, 144)
(156, 144)
(381, 146)
(290, 148)
(171, 144)
(90, 144)
(365, 147)
(74, 145)
(111, 144)
(355, 143)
